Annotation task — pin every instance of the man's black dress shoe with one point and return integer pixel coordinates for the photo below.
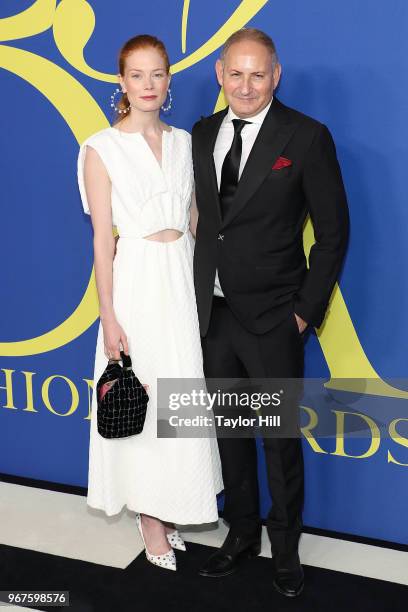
(289, 578)
(226, 559)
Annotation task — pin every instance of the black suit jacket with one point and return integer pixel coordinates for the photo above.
(258, 247)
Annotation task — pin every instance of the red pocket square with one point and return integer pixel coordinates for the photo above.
(281, 162)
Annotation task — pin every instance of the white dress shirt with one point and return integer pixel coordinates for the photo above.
(223, 145)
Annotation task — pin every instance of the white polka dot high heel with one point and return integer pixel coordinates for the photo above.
(176, 541)
(167, 560)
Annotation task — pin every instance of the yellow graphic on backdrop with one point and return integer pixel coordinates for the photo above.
(78, 16)
(34, 20)
(339, 341)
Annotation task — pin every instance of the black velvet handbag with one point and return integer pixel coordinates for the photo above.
(121, 399)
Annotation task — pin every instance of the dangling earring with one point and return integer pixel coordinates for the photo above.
(118, 110)
(168, 107)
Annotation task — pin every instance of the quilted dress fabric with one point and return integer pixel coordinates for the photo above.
(173, 479)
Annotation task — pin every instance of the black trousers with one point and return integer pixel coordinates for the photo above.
(231, 351)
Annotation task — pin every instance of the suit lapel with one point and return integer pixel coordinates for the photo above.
(276, 130)
(210, 134)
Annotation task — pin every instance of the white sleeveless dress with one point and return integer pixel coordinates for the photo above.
(175, 480)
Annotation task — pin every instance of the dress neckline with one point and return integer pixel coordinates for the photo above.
(140, 135)
(122, 133)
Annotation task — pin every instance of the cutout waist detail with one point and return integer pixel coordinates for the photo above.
(166, 235)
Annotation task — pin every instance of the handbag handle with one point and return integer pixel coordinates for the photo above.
(125, 359)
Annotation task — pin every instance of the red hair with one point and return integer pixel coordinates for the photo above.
(143, 41)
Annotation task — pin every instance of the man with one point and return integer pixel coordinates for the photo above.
(260, 169)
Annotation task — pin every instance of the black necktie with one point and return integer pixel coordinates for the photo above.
(230, 168)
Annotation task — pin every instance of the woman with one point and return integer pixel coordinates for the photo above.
(137, 175)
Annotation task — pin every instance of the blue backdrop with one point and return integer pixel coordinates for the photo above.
(344, 63)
